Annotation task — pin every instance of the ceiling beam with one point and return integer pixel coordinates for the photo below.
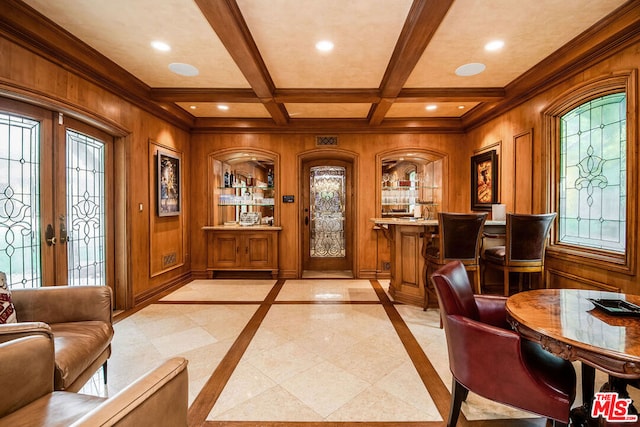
(203, 95)
(226, 19)
(423, 20)
(451, 94)
(327, 95)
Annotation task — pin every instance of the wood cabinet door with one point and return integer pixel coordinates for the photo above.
(259, 250)
(226, 250)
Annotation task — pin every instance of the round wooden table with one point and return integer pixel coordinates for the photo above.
(566, 323)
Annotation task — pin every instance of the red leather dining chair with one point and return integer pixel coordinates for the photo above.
(524, 248)
(459, 238)
(493, 361)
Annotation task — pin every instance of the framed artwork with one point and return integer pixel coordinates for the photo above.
(169, 184)
(484, 181)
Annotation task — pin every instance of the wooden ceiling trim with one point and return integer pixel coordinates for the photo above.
(327, 95)
(451, 95)
(424, 18)
(418, 125)
(204, 95)
(227, 21)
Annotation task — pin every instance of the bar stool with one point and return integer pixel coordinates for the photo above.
(459, 238)
(525, 244)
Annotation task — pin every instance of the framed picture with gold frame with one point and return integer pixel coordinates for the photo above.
(484, 181)
(169, 184)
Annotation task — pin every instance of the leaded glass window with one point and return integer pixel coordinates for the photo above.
(20, 201)
(86, 210)
(593, 174)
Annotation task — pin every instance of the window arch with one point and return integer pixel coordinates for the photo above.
(592, 164)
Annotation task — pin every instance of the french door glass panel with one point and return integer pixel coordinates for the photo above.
(86, 234)
(20, 220)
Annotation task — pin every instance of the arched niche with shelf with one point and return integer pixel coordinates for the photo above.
(410, 183)
(241, 182)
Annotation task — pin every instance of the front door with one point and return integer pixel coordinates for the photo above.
(54, 199)
(327, 228)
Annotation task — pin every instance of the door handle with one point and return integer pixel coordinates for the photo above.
(64, 237)
(306, 220)
(50, 235)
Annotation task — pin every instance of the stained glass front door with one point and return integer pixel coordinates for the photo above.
(327, 216)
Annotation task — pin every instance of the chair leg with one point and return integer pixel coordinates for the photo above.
(506, 282)
(458, 396)
(476, 277)
(104, 371)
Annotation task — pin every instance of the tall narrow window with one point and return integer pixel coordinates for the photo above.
(86, 210)
(593, 174)
(20, 201)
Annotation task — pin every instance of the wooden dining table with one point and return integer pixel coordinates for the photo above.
(567, 323)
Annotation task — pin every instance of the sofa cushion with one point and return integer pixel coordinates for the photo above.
(57, 409)
(77, 346)
(7, 310)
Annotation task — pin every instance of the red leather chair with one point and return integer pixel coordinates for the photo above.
(493, 361)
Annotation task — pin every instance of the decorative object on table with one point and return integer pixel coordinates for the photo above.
(250, 218)
(169, 184)
(484, 180)
(498, 212)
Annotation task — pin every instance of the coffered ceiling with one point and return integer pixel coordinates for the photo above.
(391, 59)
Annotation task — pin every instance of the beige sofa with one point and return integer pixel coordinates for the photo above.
(159, 398)
(77, 318)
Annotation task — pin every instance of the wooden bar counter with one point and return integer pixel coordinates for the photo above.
(408, 237)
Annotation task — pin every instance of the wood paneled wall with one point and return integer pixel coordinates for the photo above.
(289, 147)
(140, 237)
(524, 171)
(36, 77)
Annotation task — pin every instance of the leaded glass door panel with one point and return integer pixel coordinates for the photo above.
(327, 216)
(53, 199)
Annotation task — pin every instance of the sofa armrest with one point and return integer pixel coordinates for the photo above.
(12, 331)
(159, 398)
(26, 371)
(62, 304)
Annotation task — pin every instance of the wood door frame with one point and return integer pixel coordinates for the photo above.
(329, 155)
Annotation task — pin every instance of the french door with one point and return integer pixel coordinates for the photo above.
(54, 199)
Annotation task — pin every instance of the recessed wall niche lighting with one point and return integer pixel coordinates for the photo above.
(161, 46)
(184, 69)
(223, 107)
(431, 107)
(324, 46)
(494, 45)
(470, 69)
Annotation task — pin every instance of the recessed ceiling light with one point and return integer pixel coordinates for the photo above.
(494, 45)
(223, 107)
(161, 46)
(193, 107)
(470, 69)
(460, 107)
(430, 107)
(184, 69)
(324, 46)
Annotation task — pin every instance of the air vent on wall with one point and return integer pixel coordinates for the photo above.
(326, 140)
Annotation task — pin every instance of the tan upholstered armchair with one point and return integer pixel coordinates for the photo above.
(77, 318)
(158, 398)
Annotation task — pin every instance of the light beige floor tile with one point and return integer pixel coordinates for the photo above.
(325, 387)
(327, 290)
(222, 290)
(274, 404)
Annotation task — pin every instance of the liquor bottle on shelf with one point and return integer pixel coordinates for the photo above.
(270, 178)
(226, 179)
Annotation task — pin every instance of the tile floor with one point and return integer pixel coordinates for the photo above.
(314, 351)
